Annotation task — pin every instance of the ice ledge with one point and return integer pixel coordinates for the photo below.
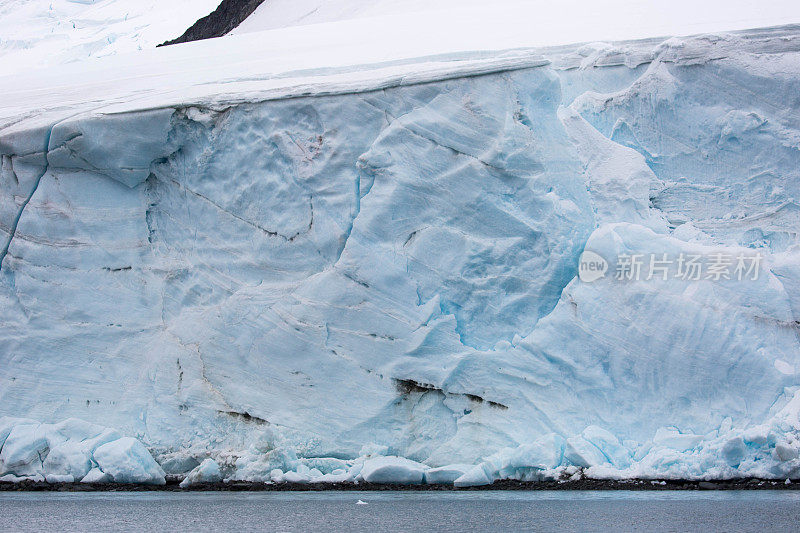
(222, 72)
(74, 450)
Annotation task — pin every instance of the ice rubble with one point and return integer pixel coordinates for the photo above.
(272, 285)
(206, 472)
(73, 450)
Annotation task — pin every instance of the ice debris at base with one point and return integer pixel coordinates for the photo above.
(393, 470)
(96, 475)
(126, 460)
(73, 450)
(206, 472)
(446, 475)
(274, 284)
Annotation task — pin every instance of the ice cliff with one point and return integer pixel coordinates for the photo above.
(294, 288)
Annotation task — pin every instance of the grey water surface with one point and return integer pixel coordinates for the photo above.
(387, 511)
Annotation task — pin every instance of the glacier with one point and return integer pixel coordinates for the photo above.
(45, 33)
(378, 280)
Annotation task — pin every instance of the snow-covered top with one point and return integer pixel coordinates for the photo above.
(361, 53)
(41, 33)
(551, 22)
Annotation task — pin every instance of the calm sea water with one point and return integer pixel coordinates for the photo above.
(505, 511)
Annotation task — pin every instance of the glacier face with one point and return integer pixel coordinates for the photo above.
(277, 283)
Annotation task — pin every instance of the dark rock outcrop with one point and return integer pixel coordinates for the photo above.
(228, 15)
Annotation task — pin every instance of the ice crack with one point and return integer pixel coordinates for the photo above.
(13, 229)
(271, 233)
